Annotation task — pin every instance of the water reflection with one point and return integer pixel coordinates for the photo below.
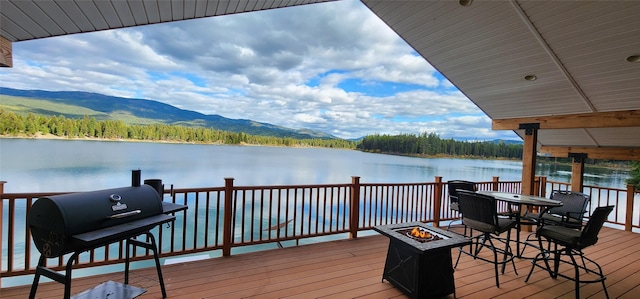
(32, 165)
(593, 176)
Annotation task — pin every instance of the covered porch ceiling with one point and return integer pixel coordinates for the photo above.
(573, 67)
(586, 92)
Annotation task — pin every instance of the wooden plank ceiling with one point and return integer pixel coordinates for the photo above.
(25, 20)
(586, 94)
(585, 55)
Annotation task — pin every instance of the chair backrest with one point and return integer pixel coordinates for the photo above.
(574, 204)
(479, 211)
(589, 235)
(455, 185)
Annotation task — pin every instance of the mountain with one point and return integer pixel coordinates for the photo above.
(77, 104)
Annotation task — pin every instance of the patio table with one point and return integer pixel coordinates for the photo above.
(522, 200)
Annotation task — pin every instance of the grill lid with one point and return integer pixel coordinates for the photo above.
(54, 220)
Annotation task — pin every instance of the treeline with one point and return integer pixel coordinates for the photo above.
(432, 145)
(12, 124)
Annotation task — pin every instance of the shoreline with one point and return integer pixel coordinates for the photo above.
(549, 160)
(54, 137)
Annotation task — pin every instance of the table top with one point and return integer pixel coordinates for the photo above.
(524, 199)
(450, 239)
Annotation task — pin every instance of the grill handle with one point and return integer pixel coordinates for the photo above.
(123, 215)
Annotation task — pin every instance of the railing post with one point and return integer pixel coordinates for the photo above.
(354, 209)
(1, 220)
(536, 186)
(495, 185)
(543, 186)
(628, 223)
(228, 209)
(437, 201)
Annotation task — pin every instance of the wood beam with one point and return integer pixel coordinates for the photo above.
(529, 158)
(577, 171)
(603, 153)
(6, 55)
(628, 118)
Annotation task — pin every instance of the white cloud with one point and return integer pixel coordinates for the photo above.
(332, 67)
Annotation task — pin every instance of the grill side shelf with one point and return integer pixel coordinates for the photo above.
(168, 207)
(121, 231)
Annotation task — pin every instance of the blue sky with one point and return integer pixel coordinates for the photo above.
(332, 67)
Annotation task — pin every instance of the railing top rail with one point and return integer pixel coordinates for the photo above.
(398, 184)
(29, 195)
(586, 186)
(199, 189)
(275, 187)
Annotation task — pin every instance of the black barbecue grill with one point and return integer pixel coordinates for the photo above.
(78, 222)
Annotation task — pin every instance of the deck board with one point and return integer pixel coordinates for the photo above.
(353, 269)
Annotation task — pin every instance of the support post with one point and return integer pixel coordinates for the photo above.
(577, 171)
(228, 208)
(495, 186)
(628, 222)
(437, 200)
(1, 213)
(529, 153)
(6, 56)
(354, 209)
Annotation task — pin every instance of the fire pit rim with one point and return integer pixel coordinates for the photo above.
(452, 240)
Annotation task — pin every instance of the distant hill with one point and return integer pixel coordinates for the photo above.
(76, 104)
(507, 141)
(496, 141)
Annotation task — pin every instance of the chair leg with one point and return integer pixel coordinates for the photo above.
(533, 265)
(495, 264)
(577, 274)
(584, 264)
(542, 255)
(599, 272)
(556, 261)
(557, 253)
(451, 222)
(507, 252)
(458, 259)
(485, 237)
(471, 251)
(504, 255)
(526, 243)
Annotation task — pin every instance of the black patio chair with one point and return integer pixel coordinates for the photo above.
(570, 214)
(479, 212)
(570, 242)
(453, 187)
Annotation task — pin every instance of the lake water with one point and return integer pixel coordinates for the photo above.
(41, 165)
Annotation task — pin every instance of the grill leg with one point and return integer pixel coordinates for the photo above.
(151, 246)
(126, 261)
(155, 255)
(67, 277)
(36, 277)
(41, 269)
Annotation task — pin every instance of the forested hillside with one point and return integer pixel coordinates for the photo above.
(12, 124)
(76, 104)
(432, 145)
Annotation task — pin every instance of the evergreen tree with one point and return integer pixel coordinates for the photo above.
(635, 175)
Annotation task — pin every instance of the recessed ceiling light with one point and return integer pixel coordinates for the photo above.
(530, 77)
(634, 58)
(465, 2)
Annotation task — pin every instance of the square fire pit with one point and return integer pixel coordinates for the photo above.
(419, 259)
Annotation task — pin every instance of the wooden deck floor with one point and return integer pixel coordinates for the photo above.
(353, 269)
